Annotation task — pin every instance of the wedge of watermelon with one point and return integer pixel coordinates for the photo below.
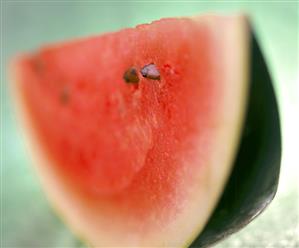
(135, 133)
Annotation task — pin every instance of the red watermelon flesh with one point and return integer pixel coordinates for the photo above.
(138, 163)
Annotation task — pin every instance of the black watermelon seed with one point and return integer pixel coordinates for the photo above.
(64, 95)
(38, 65)
(150, 71)
(131, 76)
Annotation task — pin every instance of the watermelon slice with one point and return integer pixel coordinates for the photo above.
(135, 133)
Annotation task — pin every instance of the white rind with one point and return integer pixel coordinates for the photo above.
(202, 198)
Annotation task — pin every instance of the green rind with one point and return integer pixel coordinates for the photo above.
(254, 179)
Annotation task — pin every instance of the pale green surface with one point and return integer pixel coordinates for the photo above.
(27, 220)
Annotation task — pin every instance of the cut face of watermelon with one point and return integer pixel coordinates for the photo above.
(134, 133)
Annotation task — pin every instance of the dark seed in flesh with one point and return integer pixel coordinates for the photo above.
(38, 65)
(64, 95)
(131, 76)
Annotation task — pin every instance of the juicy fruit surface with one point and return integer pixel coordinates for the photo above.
(129, 149)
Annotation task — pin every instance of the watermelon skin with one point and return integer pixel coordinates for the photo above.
(254, 179)
(83, 129)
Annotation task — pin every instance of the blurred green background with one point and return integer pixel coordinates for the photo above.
(26, 218)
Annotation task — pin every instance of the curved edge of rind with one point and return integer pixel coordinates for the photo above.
(249, 192)
(29, 136)
(238, 44)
